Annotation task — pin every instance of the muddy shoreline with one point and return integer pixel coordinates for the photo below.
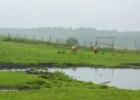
(66, 65)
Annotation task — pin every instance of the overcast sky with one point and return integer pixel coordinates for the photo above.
(122, 15)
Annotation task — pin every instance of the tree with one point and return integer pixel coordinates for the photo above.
(72, 41)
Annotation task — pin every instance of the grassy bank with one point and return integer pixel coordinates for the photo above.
(58, 86)
(20, 81)
(29, 52)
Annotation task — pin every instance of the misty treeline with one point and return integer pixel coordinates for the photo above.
(84, 36)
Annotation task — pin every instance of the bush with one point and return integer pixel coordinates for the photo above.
(71, 41)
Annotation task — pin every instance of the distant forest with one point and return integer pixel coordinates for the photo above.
(85, 36)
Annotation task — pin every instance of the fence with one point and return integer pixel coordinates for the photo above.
(120, 42)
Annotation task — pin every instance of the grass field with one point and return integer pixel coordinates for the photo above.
(37, 52)
(18, 80)
(58, 86)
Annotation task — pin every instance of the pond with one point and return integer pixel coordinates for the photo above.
(121, 78)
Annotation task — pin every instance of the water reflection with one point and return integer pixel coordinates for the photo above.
(121, 78)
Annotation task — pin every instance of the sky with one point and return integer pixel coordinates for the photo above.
(121, 15)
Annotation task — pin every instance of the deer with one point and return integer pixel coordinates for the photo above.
(74, 49)
(95, 49)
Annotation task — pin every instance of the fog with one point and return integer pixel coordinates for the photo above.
(121, 15)
(127, 40)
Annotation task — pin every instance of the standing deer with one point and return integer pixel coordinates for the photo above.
(95, 49)
(74, 49)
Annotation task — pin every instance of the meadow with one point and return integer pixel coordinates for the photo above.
(31, 52)
(58, 86)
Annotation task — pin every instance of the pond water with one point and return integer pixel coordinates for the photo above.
(121, 78)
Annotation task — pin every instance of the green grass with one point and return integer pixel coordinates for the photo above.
(36, 52)
(71, 93)
(58, 86)
(19, 80)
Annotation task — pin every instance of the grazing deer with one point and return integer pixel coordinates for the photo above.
(74, 49)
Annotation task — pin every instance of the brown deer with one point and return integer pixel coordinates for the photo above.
(95, 49)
